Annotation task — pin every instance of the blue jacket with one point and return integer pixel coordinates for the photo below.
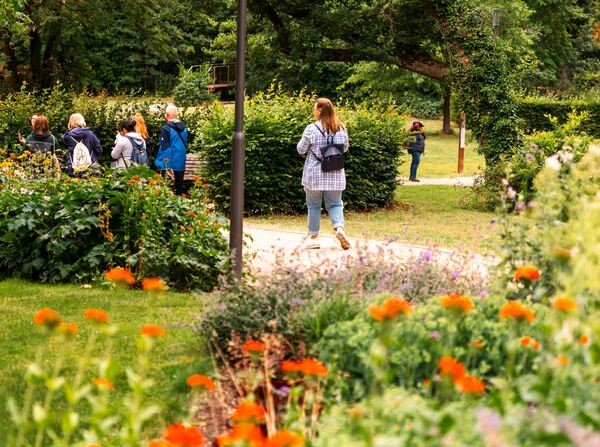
(418, 145)
(173, 145)
(87, 137)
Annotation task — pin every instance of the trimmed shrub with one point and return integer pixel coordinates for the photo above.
(273, 126)
(71, 230)
(533, 111)
(192, 88)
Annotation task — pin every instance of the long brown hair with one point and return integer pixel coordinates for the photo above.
(331, 123)
(140, 125)
(40, 125)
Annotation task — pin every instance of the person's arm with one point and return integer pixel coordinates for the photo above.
(117, 151)
(165, 137)
(347, 140)
(420, 143)
(97, 147)
(304, 143)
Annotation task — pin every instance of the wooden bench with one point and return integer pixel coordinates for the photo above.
(193, 167)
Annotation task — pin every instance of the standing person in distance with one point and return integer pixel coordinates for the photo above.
(79, 133)
(416, 149)
(122, 153)
(170, 158)
(41, 139)
(322, 186)
(140, 128)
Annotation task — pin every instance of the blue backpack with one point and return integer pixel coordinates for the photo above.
(139, 155)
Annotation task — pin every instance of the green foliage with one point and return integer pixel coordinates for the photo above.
(63, 230)
(192, 87)
(535, 113)
(273, 126)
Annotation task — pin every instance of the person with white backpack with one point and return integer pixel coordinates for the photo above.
(83, 147)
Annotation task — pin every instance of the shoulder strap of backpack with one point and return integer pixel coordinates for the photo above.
(327, 137)
(135, 144)
(180, 137)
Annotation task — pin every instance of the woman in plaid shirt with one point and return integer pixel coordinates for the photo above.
(323, 186)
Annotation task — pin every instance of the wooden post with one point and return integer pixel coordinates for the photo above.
(461, 142)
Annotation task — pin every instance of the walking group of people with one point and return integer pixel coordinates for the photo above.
(324, 142)
(132, 145)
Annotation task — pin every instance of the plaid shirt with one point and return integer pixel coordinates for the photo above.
(312, 177)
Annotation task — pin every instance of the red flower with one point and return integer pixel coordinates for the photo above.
(451, 367)
(200, 380)
(516, 310)
(249, 434)
(120, 275)
(470, 385)
(154, 285)
(253, 346)
(183, 436)
(285, 438)
(152, 330)
(528, 272)
(249, 412)
(390, 309)
(47, 317)
(96, 316)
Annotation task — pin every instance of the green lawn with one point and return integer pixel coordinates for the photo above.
(176, 356)
(425, 215)
(441, 154)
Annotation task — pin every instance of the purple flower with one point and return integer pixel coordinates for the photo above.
(427, 255)
(533, 146)
(455, 274)
(520, 206)
(435, 335)
(484, 293)
(531, 204)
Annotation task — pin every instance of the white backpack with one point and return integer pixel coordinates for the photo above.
(81, 159)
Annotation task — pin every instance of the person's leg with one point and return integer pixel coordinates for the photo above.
(416, 158)
(178, 182)
(335, 209)
(313, 203)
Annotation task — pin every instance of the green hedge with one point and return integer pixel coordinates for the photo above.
(273, 127)
(533, 110)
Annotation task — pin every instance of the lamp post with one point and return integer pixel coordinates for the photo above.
(496, 23)
(236, 226)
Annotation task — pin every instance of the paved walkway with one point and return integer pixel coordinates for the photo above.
(269, 247)
(450, 181)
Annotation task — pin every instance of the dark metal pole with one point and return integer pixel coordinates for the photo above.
(239, 143)
(496, 23)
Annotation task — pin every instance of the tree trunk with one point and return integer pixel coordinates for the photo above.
(447, 128)
(13, 65)
(35, 57)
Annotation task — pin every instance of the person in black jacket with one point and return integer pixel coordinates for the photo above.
(41, 139)
(416, 149)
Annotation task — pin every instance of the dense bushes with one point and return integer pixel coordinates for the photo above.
(534, 113)
(274, 125)
(71, 230)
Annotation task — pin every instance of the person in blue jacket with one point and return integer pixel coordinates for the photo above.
(170, 158)
(416, 149)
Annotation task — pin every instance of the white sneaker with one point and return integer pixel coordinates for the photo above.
(341, 236)
(311, 243)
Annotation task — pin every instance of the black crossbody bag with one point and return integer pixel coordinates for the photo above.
(332, 155)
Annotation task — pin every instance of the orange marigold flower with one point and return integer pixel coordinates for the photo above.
(181, 435)
(200, 380)
(68, 329)
(46, 317)
(457, 303)
(249, 434)
(584, 339)
(253, 346)
(290, 366)
(565, 304)
(426, 382)
(96, 316)
(516, 310)
(536, 345)
(561, 360)
(451, 367)
(526, 341)
(285, 438)
(152, 330)
(248, 411)
(120, 275)
(390, 309)
(470, 385)
(528, 272)
(478, 344)
(154, 285)
(103, 384)
(151, 182)
(159, 443)
(312, 367)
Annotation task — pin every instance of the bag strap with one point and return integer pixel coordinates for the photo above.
(180, 137)
(327, 137)
(136, 146)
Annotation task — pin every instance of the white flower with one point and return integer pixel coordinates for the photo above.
(566, 156)
(553, 163)
(46, 198)
(23, 191)
(595, 149)
(505, 182)
(46, 213)
(511, 193)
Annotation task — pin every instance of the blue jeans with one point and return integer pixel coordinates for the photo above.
(333, 205)
(416, 159)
